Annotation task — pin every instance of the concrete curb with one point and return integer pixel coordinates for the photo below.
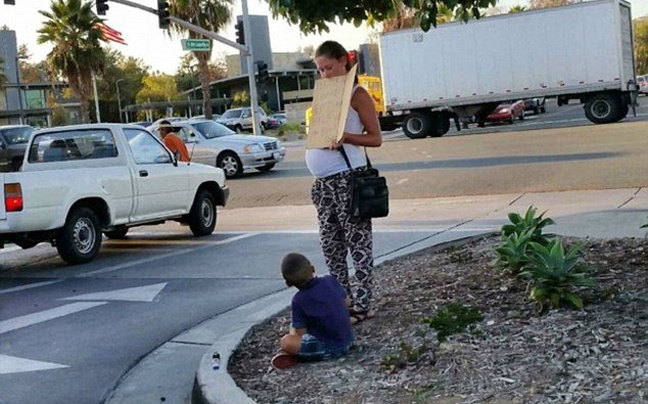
(217, 386)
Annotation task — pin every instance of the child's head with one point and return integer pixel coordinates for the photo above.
(296, 270)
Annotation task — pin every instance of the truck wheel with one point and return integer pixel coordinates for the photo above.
(603, 108)
(231, 164)
(440, 124)
(117, 234)
(417, 125)
(202, 217)
(238, 129)
(79, 241)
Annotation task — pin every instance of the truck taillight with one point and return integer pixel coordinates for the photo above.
(13, 197)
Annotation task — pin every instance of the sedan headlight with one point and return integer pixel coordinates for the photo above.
(505, 111)
(253, 148)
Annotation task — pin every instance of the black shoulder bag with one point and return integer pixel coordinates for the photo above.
(369, 192)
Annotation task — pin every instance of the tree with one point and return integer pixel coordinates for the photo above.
(535, 4)
(71, 28)
(314, 16)
(130, 72)
(641, 44)
(157, 87)
(212, 15)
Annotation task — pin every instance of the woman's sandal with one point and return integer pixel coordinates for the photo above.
(358, 316)
(283, 361)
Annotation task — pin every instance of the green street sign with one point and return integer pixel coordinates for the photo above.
(195, 44)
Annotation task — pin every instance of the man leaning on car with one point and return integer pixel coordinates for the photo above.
(173, 142)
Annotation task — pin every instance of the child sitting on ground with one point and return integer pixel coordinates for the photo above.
(321, 326)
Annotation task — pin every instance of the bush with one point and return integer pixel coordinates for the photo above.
(529, 222)
(453, 318)
(554, 273)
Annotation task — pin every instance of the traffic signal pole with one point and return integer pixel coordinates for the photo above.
(245, 49)
(254, 98)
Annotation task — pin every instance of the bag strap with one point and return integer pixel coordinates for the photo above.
(346, 157)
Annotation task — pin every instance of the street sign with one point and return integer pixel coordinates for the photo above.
(195, 44)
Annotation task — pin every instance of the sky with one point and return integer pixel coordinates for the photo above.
(146, 41)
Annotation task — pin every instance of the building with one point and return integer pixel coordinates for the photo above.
(23, 103)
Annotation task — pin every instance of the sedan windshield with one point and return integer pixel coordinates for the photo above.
(17, 135)
(232, 113)
(212, 129)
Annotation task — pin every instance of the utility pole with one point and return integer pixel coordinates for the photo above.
(254, 98)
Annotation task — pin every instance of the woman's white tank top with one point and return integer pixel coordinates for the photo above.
(325, 162)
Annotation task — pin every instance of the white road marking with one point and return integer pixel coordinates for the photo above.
(30, 286)
(136, 294)
(46, 315)
(164, 256)
(10, 249)
(12, 364)
(404, 180)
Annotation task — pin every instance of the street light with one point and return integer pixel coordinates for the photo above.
(119, 100)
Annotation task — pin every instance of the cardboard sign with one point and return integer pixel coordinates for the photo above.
(331, 101)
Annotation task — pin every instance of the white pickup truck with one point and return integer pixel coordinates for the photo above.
(79, 181)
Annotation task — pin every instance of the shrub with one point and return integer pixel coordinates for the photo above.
(453, 318)
(513, 252)
(554, 273)
(520, 224)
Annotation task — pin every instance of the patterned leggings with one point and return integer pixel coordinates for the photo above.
(340, 232)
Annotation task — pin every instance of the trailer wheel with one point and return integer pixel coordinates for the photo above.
(440, 124)
(604, 108)
(417, 125)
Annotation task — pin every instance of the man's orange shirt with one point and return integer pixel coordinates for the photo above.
(176, 145)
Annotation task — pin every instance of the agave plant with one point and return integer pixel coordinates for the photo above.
(513, 253)
(555, 273)
(529, 221)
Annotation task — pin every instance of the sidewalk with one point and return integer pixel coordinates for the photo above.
(594, 214)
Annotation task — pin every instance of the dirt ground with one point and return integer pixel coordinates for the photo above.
(514, 355)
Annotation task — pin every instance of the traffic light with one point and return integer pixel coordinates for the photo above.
(102, 7)
(240, 33)
(163, 14)
(263, 71)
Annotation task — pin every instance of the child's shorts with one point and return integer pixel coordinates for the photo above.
(313, 349)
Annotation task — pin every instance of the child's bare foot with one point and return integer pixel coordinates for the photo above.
(283, 361)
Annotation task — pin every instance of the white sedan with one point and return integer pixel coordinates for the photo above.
(214, 144)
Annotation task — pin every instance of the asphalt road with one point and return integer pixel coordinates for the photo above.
(71, 334)
(558, 150)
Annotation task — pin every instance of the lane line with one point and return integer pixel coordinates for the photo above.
(46, 315)
(12, 364)
(30, 286)
(164, 256)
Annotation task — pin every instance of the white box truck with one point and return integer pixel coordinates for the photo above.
(583, 51)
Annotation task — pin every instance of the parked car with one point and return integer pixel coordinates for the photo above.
(537, 105)
(642, 82)
(507, 112)
(201, 117)
(211, 143)
(13, 143)
(240, 119)
(280, 118)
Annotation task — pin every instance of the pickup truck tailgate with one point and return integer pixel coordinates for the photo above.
(3, 211)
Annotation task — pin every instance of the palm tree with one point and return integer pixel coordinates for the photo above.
(211, 15)
(71, 28)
